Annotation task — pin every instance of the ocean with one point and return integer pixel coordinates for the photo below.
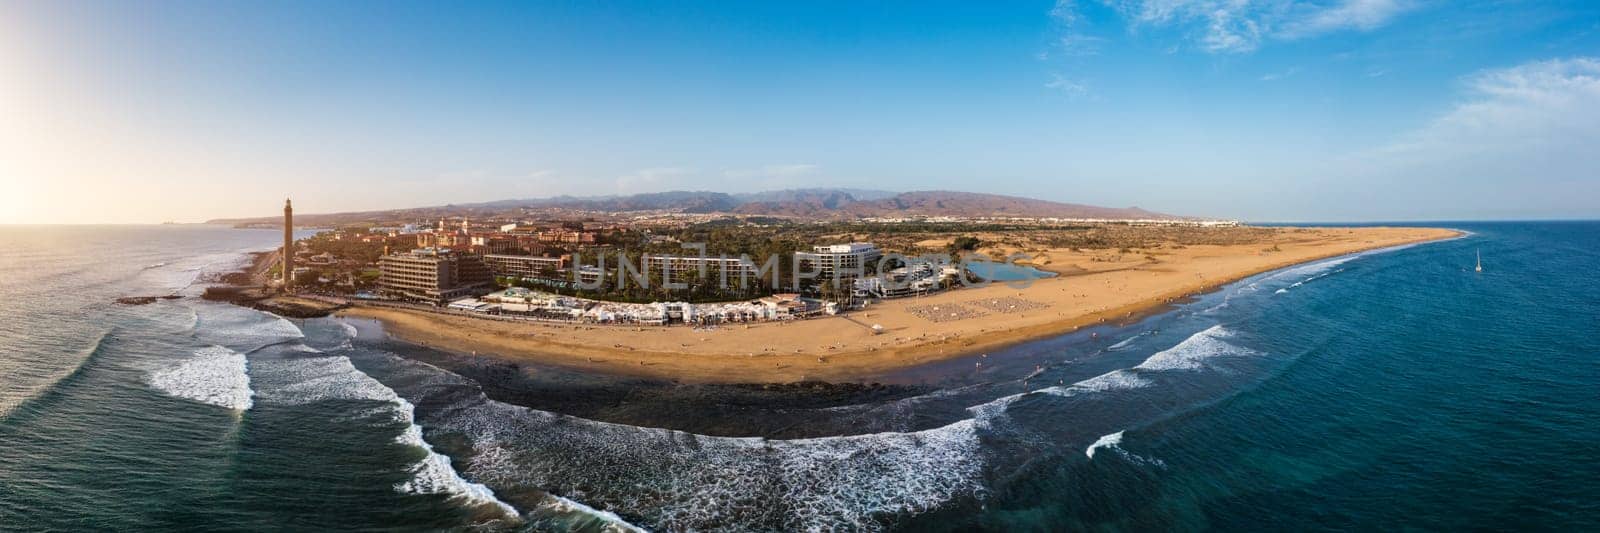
(1392, 389)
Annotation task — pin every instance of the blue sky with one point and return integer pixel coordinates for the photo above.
(1261, 110)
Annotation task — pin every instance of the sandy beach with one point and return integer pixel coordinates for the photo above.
(1093, 285)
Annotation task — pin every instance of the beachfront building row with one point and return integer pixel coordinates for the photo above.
(521, 302)
(693, 269)
(433, 275)
(844, 262)
(527, 266)
(682, 269)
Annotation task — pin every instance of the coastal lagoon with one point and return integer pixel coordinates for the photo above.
(1391, 388)
(998, 271)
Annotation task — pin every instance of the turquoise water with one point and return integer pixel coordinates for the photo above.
(1394, 389)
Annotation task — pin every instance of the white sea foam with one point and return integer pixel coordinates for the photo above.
(1106, 441)
(434, 474)
(1313, 268)
(306, 380)
(1126, 342)
(1309, 272)
(1308, 280)
(214, 375)
(193, 320)
(682, 481)
(242, 329)
(281, 328)
(1114, 380)
(613, 523)
(350, 334)
(180, 275)
(1195, 351)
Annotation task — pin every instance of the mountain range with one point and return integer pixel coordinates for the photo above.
(804, 204)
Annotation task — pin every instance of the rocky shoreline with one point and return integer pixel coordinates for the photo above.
(250, 288)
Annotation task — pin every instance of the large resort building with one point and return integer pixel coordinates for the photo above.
(841, 262)
(432, 275)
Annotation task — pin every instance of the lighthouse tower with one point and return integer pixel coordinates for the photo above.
(288, 245)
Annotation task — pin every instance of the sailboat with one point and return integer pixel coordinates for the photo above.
(1479, 268)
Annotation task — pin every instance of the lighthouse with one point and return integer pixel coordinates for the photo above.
(288, 245)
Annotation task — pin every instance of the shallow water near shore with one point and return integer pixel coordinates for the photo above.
(1389, 388)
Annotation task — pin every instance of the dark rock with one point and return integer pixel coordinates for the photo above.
(137, 300)
(233, 294)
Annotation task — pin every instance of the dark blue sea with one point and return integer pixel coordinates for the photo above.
(1392, 389)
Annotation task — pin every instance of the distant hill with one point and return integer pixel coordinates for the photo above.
(938, 203)
(808, 204)
(683, 201)
(795, 194)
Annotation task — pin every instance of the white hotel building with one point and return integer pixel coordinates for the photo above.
(839, 261)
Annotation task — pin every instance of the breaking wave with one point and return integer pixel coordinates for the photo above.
(1114, 380)
(1113, 442)
(434, 474)
(1104, 442)
(587, 516)
(1127, 342)
(214, 375)
(20, 387)
(243, 330)
(1313, 268)
(1194, 352)
(1308, 280)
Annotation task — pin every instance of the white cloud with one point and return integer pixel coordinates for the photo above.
(1065, 12)
(1522, 140)
(1540, 106)
(1240, 26)
(1362, 15)
(1075, 88)
(1230, 33)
